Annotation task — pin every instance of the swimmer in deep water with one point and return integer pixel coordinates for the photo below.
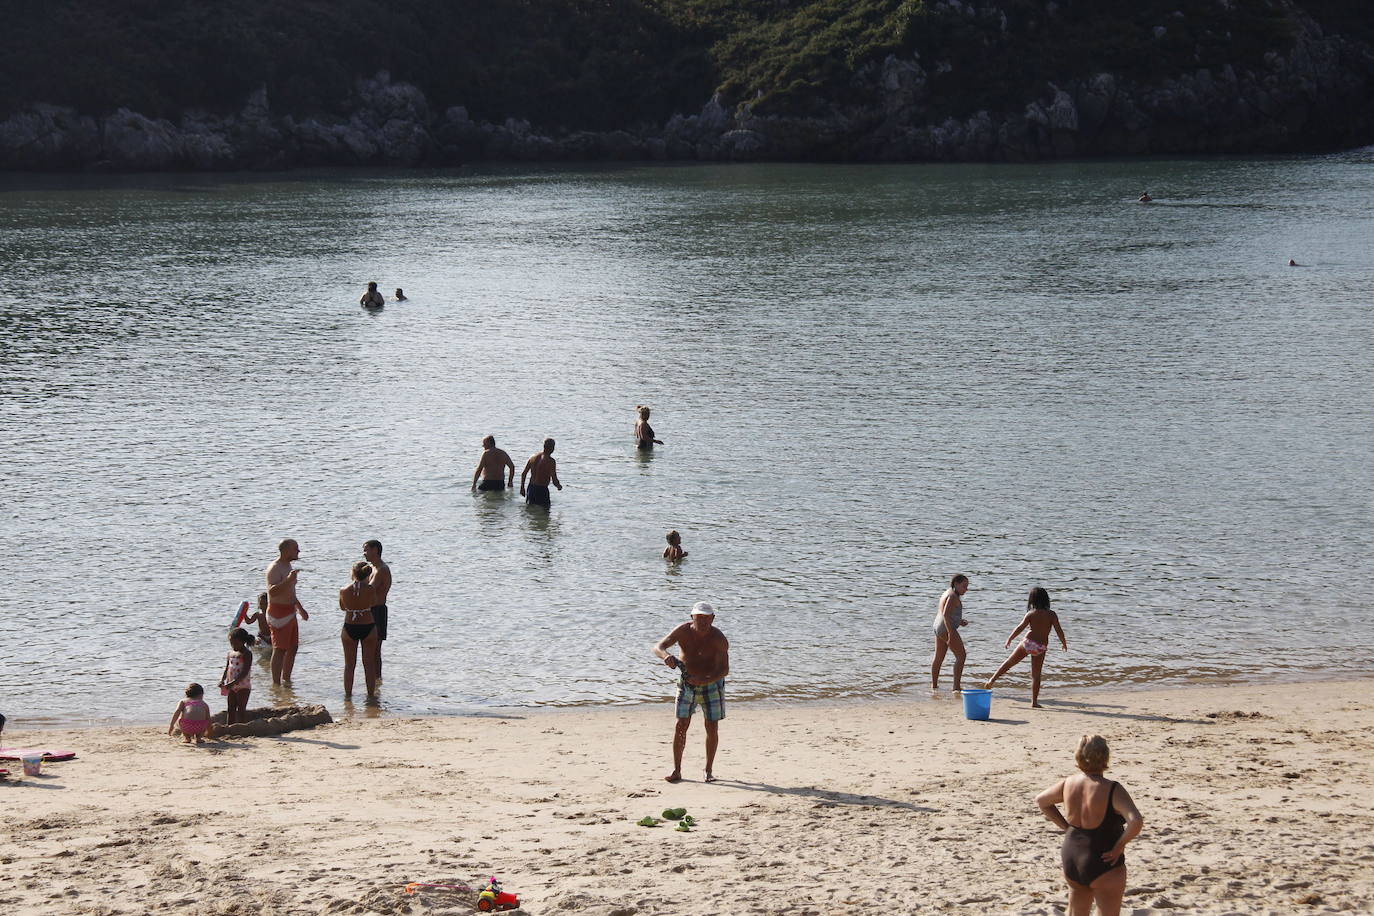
(644, 433)
(495, 470)
(542, 470)
(1145, 197)
(400, 295)
(372, 299)
(674, 552)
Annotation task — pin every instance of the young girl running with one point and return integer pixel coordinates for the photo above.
(1040, 619)
(193, 715)
(237, 681)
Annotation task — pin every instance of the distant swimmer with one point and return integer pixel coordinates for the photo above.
(400, 295)
(1145, 198)
(1293, 263)
(372, 299)
(674, 552)
(495, 469)
(644, 433)
(542, 470)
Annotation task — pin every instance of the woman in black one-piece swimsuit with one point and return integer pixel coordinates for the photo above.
(1093, 857)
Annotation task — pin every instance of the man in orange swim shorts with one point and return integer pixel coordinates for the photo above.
(282, 608)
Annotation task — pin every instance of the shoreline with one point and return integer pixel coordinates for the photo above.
(1256, 799)
(905, 695)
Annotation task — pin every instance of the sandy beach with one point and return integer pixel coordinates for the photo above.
(1256, 799)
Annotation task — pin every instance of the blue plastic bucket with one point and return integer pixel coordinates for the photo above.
(977, 703)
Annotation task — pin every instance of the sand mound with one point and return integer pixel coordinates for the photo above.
(267, 720)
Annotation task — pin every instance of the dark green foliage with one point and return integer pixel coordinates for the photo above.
(613, 63)
(580, 63)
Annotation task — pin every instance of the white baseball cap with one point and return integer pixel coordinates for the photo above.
(702, 608)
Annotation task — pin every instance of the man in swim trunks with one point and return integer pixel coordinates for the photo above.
(380, 582)
(282, 609)
(704, 665)
(495, 468)
(542, 470)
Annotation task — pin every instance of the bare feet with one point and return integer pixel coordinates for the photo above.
(675, 776)
(1036, 706)
(709, 777)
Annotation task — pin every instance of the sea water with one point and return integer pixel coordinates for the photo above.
(867, 379)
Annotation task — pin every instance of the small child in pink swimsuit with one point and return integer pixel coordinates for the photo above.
(237, 681)
(193, 714)
(1040, 620)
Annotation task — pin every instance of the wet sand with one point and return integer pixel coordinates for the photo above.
(1257, 799)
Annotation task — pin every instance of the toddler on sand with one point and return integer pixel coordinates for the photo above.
(1040, 619)
(193, 715)
(674, 549)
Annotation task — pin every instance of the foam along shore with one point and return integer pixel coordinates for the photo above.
(1256, 799)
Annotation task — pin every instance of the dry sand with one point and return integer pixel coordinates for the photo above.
(1257, 799)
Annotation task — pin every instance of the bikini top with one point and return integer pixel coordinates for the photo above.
(1112, 822)
(352, 616)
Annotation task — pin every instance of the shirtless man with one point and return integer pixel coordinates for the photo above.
(705, 663)
(494, 465)
(542, 470)
(380, 583)
(282, 609)
(372, 299)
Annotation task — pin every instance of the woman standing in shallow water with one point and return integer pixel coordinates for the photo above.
(1093, 857)
(356, 600)
(949, 617)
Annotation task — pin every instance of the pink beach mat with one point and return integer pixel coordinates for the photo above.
(18, 753)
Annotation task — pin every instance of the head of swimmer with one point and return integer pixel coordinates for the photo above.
(643, 412)
(372, 553)
(959, 583)
(289, 550)
(1093, 755)
(372, 286)
(488, 442)
(241, 639)
(362, 570)
(674, 538)
(194, 692)
(1039, 600)
(548, 446)
(262, 601)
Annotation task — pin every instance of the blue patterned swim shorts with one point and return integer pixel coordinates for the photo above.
(711, 697)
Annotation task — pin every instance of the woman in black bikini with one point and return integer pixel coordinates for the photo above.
(356, 600)
(1094, 864)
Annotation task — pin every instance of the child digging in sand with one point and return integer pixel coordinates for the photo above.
(674, 552)
(193, 715)
(1040, 619)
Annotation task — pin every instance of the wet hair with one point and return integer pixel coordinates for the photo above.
(194, 692)
(488, 442)
(1039, 600)
(1092, 755)
(400, 292)
(674, 538)
(361, 570)
(372, 285)
(643, 411)
(374, 543)
(957, 579)
(242, 636)
(548, 445)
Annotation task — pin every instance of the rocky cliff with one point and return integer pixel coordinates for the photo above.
(1312, 90)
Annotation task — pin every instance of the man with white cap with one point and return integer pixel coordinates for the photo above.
(704, 665)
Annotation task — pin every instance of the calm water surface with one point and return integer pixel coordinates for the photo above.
(868, 378)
